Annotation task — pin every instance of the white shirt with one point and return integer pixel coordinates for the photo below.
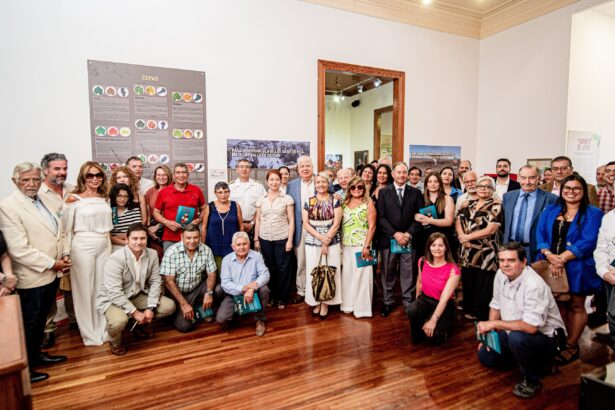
(307, 191)
(136, 265)
(246, 194)
(52, 200)
(144, 185)
(501, 189)
(605, 248)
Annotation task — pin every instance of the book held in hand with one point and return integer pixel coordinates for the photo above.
(397, 248)
(490, 339)
(200, 313)
(243, 308)
(429, 211)
(185, 215)
(373, 259)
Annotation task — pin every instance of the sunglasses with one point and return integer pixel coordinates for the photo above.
(357, 187)
(98, 175)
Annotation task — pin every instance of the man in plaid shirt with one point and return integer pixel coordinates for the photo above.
(183, 267)
(606, 195)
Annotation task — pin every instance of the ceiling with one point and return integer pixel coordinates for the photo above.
(469, 18)
(607, 8)
(347, 83)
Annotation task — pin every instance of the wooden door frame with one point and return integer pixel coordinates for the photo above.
(377, 113)
(399, 89)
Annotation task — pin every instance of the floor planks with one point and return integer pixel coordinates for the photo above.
(301, 363)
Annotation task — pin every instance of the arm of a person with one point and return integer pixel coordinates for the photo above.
(144, 212)
(419, 203)
(508, 325)
(419, 280)
(383, 222)
(487, 231)
(155, 282)
(449, 215)
(308, 227)
(227, 280)
(204, 225)
(585, 245)
(239, 217)
(262, 272)
(447, 293)
(601, 254)
(337, 220)
(542, 236)
(257, 225)
(200, 217)
(169, 281)
(458, 227)
(371, 224)
(158, 216)
(119, 239)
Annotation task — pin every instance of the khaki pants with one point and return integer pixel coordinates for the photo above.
(117, 319)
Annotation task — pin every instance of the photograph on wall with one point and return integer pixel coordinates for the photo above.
(540, 163)
(264, 155)
(583, 148)
(435, 157)
(333, 162)
(361, 158)
(157, 114)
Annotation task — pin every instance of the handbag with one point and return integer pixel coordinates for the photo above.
(323, 281)
(559, 286)
(243, 308)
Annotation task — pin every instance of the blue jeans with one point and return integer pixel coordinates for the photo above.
(532, 353)
(278, 262)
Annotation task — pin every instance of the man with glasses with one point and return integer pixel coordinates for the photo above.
(606, 194)
(561, 168)
(170, 198)
(469, 181)
(522, 207)
(245, 191)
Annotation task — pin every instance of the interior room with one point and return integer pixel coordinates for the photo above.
(348, 82)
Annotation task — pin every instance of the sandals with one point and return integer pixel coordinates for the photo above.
(568, 355)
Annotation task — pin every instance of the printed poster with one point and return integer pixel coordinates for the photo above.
(264, 156)
(583, 148)
(435, 157)
(155, 113)
(333, 162)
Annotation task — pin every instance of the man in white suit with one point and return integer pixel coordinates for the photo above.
(132, 287)
(39, 252)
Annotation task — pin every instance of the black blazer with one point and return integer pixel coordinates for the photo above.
(394, 218)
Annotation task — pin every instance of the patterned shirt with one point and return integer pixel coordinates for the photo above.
(354, 225)
(606, 198)
(321, 215)
(188, 273)
(482, 253)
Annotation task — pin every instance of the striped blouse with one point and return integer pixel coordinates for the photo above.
(123, 221)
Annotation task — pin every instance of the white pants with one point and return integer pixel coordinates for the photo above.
(312, 256)
(300, 254)
(357, 284)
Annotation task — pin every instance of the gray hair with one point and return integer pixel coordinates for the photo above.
(304, 158)
(532, 167)
(240, 235)
(469, 174)
(343, 171)
(25, 167)
(486, 178)
(323, 174)
(52, 156)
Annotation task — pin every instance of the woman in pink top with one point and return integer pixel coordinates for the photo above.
(433, 311)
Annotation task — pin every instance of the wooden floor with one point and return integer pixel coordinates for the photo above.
(301, 362)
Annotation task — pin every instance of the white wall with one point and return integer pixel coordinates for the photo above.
(260, 58)
(362, 117)
(523, 90)
(591, 96)
(337, 129)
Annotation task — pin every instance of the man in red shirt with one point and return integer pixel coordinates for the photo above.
(170, 198)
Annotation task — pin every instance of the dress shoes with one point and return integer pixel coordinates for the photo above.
(298, 299)
(37, 376)
(44, 358)
(118, 350)
(49, 339)
(260, 328)
(386, 310)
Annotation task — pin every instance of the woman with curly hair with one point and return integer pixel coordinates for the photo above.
(125, 175)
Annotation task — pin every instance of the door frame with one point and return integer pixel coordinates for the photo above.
(399, 88)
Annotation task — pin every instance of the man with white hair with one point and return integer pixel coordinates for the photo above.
(469, 182)
(39, 251)
(343, 178)
(300, 190)
(243, 273)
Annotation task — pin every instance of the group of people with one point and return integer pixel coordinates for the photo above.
(111, 244)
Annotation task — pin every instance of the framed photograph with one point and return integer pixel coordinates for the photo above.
(333, 162)
(361, 158)
(540, 163)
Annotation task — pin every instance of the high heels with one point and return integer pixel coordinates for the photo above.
(326, 313)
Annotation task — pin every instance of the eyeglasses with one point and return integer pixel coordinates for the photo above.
(576, 189)
(225, 192)
(559, 169)
(244, 166)
(357, 188)
(98, 175)
(484, 187)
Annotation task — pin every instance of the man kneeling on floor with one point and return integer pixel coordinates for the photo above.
(244, 273)
(526, 318)
(183, 266)
(132, 287)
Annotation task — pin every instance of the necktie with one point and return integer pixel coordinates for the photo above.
(399, 197)
(520, 229)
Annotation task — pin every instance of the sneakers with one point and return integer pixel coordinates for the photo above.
(260, 328)
(526, 389)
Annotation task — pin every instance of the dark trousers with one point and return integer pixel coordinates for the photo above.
(278, 262)
(532, 353)
(610, 311)
(477, 291)
(195, 299)
(393, 265)
(227, 307)
(35, 306)
(420, 311)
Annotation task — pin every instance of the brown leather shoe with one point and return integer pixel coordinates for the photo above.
(260, 328)
(119, 350)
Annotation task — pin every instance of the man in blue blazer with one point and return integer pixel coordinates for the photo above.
(525, 206)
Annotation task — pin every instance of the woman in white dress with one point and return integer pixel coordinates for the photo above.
(88, 225)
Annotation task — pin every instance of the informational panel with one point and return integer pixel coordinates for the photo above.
(155, 113)
(264, 155)
(435, 157)
(583, 148)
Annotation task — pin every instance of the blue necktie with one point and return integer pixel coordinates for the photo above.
(520, 230)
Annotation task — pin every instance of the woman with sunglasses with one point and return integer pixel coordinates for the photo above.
(567, 236)
(125, 175)
(478, 232)
(125, 212)
(358, 227)
(88, 221)
(222, 218)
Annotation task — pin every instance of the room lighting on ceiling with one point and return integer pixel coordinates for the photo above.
(360, 88)
(377, 82)
(426, 2)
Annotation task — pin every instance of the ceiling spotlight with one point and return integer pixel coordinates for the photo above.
(343, 97)
(360, 88)
(377, 82)
(426, 2)
(336, 98)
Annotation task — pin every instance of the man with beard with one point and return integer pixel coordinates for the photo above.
(503, 182)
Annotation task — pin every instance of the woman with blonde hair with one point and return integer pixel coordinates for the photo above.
(125, 175)
(88, 222)
(358, 227)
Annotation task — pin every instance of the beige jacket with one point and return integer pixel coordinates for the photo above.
(33, 243)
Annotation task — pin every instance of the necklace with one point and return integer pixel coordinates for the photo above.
(223, 218)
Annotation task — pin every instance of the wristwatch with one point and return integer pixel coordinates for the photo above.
(210, 292)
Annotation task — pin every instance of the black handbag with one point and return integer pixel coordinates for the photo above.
(323, 281)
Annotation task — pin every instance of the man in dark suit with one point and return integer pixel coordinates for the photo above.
(522, 207)
(397, 205)
(503, 182)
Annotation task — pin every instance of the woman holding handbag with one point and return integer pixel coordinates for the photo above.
(566, 237)
(432, 313)
(322, 215)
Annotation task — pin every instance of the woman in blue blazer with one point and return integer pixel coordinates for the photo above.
(566, 236)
